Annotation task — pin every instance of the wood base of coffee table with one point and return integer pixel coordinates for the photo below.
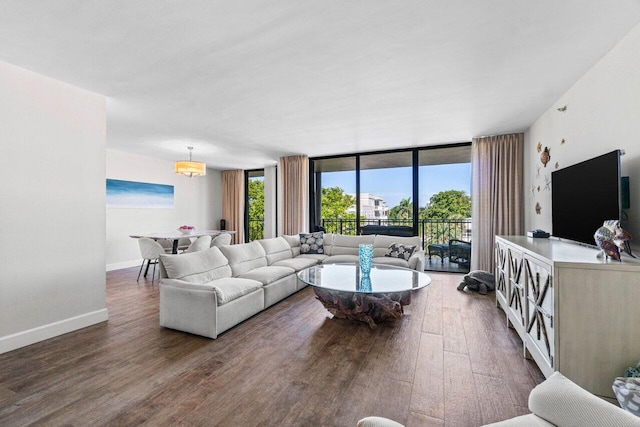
(368, 308)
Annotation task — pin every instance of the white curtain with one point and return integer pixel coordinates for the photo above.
(496, 195)
(294, 179)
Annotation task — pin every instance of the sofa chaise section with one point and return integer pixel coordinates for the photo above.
(199, 295)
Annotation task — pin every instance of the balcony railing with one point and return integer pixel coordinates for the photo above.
(431, 230)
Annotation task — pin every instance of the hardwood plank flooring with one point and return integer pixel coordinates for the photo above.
(450, 361)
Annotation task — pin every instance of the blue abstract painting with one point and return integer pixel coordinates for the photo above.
(131, 194)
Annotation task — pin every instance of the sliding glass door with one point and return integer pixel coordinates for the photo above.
(334, 195)
(254, 212)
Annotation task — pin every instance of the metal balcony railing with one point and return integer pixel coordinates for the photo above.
(431, 230)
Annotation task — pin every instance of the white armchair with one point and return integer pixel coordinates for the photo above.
(555, 402)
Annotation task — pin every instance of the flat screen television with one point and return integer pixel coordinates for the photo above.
(584, 195)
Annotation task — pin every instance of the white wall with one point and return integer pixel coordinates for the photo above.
(197, 201)
(52, 217)
(603, 114)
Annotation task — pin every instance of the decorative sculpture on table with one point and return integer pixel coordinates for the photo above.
(612, 240)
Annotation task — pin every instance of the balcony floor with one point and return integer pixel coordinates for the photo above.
(436, 264)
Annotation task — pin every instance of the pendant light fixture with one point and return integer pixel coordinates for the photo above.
(190, 168)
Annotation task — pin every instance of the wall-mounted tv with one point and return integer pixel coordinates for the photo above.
(584, 195)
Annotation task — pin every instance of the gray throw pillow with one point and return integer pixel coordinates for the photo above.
(312, 243)
(398, 250)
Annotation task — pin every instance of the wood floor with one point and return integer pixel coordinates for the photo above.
(449, 361)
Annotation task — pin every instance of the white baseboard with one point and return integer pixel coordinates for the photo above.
(125, 264)
(44, 332)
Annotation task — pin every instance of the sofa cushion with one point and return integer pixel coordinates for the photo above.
(381, 243)
(316, 257)
(268, 275)
(396, 262)
(293, 240)
(276, 249)
(245, 257)
(197, 267)
(312, 243)
(297, 264)
(398, 250)
(348, 245)
(335, 259)
(230, 288)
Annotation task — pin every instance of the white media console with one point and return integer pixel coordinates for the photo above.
(575, 313)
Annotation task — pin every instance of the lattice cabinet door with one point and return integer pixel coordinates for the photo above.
(540, 320)
(502, 272)
(516, 297)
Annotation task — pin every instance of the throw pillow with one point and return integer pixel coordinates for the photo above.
(312, 243)
(398, 250)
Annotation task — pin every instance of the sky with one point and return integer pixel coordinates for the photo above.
(394, 184)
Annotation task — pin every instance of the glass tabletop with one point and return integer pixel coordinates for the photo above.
(347, 278)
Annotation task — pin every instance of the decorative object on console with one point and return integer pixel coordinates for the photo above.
(545, 156)
(539, 234)
(190, 168)
(365, 255)
(398, 250)
(612, 240)
(186, 229)
(312, 243)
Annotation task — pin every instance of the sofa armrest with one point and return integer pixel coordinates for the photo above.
(416, 261)
(562, 402)
(186, 285)
(188, 307)
(378, 422)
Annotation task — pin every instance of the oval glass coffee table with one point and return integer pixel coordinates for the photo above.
(348, 294)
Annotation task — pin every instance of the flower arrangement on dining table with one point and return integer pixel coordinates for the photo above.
(186, 229)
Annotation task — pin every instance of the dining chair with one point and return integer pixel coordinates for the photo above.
(167, 245)
(221, 240)
(200, 244)
(150, 251)
(183, 244)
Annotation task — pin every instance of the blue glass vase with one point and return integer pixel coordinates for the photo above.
(365, 284)
(365, 253)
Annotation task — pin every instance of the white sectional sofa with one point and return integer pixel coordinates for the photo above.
(207, 292)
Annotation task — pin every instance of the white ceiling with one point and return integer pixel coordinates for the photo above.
(246, 82)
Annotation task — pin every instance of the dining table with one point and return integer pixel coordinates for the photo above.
(175, 236)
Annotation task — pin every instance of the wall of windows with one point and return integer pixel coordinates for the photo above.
(424, 189)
